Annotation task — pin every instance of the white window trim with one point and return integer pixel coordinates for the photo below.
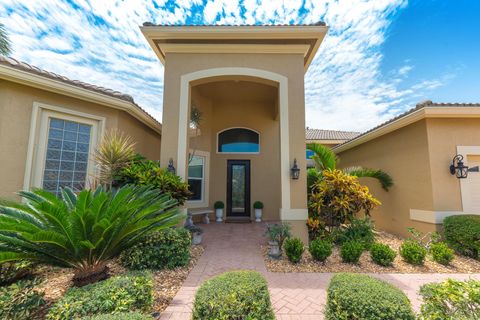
(466, 151)
(203, 203)
(37, 142)
(246, 128)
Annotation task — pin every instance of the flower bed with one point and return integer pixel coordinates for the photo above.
(460, 264)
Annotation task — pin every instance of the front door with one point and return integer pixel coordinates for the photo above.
(238, 188)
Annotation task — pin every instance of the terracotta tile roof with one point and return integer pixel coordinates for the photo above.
(419, 106)
(320, 134)
(14, 63)
(151, 24)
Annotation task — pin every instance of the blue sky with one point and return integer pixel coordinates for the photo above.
(379, 59)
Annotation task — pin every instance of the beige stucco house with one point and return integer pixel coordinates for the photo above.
(248, 83)
(50, 125)
(417, 149)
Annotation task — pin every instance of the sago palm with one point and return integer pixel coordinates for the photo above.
(324, 158)
(81, 231)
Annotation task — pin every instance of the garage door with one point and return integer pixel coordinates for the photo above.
(472, 183)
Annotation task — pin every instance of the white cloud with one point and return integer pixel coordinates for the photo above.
(99, 42)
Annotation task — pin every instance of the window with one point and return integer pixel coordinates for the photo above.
(238, 140)
(309, 154)
(196, 178)
(66, 161)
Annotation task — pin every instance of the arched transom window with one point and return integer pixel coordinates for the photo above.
(238, 140)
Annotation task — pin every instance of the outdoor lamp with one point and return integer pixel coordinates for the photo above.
(295, 170)
(170, 167)
(457, 167)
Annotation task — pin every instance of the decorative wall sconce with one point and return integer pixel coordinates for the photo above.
(295, 170)
(170, 167)
(459, 169)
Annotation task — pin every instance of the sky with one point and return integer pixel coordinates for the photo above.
(380, 57)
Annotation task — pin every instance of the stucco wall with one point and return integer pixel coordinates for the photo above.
(444, 135)
(404, 154)
(16, 103)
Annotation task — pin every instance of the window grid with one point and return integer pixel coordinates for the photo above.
(67, 155)
(197, 190)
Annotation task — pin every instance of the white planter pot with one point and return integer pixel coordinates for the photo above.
(196, 238)
(258, 215)
(219, 215)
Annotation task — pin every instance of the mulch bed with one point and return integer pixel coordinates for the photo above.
(56, 281)
(334, 263)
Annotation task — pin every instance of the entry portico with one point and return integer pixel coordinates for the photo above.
(247, 82)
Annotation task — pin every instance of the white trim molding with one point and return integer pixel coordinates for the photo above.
(465, 191)
(203, 203)
(293, 214)
(282, 81)
(38, 136)
(429, 216)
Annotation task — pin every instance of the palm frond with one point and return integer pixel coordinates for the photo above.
(5, 44)
(384, 178)
(323, 156)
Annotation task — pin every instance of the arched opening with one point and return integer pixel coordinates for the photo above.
(238, 140)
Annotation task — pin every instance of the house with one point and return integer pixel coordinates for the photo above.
(417, 149)
(248, 84)
(50, 125)
(329, 138)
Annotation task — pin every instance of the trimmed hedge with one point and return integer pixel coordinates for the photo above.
(120, 316)
(294, 249)
(320, 249)
(382, 254)
(462, 233)
(169, 248)
(351, 251)
(361, 297)
(233, 295)
(128, 292)
(451, 299)
(413, 252)
(441, 253)
(21, 301)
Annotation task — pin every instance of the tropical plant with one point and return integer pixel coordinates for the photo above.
(325, 159)
(81, 231)
(337, 197)
(5, 45)
(113, 154)
(149, 173)
(360, 230)
(13, 271)
(21, 300)
(316, 228)
(279, 232)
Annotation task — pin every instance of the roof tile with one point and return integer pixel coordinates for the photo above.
(320, 134)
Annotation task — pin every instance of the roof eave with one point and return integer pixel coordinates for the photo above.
(37, 81)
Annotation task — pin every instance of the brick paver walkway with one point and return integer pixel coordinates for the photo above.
(294, 295)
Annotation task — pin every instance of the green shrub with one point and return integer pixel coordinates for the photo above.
(258, 205)
(413, 252)
(120, 316)
(294, 249)
(81, 231)
(360, 230)
(13, 271)
(351, 251)
(233, 295)
(149, 173)
(441, 253)
(320, 249)
(382, 254)
(451, 299)
(169, 248)
(128, 292)
(20, 301)
(219, 205)
(279, 232)
(462, 233)
(361, 297)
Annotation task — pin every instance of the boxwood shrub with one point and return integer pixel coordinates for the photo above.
(233, 295)
(129, 292)
(462, 233)
(294, 249)
(21, 301)
(169, 248)
(441, 253)
(451, 299)
(351, 251)
(382, 254)
(413, 252)
(120, 316)
(361, 297)
(320, 249)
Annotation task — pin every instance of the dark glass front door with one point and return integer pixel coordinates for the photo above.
(238, 188)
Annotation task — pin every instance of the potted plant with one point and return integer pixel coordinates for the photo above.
(277, 233)
(258, 206)
(219, 205)
(196, 232)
